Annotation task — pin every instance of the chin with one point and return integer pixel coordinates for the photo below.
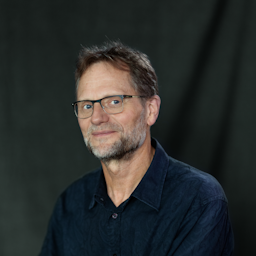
(106, 150)
(120, 149)
(102, 150)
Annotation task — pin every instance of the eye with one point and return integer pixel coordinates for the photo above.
(115, 102)
(87, 106)
(112, 102)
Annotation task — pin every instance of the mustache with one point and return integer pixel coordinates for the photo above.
(109, 126)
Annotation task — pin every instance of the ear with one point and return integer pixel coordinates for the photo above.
(153, 107)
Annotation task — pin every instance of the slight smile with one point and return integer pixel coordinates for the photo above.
(102, 133)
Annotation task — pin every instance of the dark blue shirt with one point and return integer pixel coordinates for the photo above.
(175, 210)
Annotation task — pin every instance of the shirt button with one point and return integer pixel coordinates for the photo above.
(114, 216)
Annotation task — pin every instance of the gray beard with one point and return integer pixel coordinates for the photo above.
(123, 148)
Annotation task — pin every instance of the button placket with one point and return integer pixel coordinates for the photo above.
(115, 232)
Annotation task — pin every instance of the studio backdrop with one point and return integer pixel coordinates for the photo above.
(204, 53)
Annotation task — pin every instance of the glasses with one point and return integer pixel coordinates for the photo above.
(111, 105)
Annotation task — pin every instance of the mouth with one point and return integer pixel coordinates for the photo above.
(102, 133)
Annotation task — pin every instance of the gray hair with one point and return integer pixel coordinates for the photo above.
(144, 79)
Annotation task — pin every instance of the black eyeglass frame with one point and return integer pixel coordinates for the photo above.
(99, 101)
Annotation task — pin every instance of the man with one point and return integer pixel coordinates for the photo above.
(141, 201)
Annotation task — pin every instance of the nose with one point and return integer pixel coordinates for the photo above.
(99, 115)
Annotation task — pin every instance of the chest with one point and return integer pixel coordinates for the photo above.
(136, 229)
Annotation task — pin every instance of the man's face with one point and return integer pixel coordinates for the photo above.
(111, 136)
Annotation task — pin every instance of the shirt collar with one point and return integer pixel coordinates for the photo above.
(149, 190)
(151, 186)
(100, 189)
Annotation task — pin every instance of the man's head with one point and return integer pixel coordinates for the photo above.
(116, 70)
(144, 79)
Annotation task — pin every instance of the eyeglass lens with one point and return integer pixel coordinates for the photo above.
(111, 105)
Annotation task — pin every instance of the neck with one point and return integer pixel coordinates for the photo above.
(123, 176)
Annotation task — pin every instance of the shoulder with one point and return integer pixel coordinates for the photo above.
(79, 193)
(86, 182)
(192, 183)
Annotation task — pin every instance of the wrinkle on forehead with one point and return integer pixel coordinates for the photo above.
(103, 79)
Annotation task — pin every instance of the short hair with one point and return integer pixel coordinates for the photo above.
(144, 79)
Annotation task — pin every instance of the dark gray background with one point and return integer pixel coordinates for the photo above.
(204, 53)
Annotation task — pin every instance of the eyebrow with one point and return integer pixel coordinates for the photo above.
(102, 98)
(110, 95)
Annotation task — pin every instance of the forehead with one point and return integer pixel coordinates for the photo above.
(103, 79)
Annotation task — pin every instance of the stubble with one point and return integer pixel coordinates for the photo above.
(123, 148)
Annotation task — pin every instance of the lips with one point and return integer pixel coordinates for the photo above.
(103, 130)
(102, 133)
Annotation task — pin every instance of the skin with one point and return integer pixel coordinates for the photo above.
(123, 175)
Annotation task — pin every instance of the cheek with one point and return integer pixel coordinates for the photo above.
(130, 119)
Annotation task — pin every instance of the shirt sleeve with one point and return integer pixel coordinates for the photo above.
(205, 231)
